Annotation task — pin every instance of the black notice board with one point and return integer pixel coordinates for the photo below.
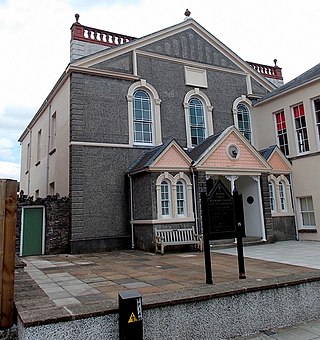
(221, 213)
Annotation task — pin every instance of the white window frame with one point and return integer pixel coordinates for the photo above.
(207, 108)
(273, 205)
(143, 121)
(39, 145)
(282, 196)
(172, 182)
(317, 124)
(302, 226)
(296, 130)
(53, 130)
(167, 200)
(280, 210)
(244, 101)
(155, 108)
(277, 132)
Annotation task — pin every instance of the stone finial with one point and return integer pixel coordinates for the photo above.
(77, 16)
(187, 13)
(275, 62)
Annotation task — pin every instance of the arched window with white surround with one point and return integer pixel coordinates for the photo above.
(144, 114)
(165, 199)
(242, 116)
(197, 121)
(244, 123)
(142, 118)
(282, 196)
(174, 197)
(181, 200)
(272, 196)
(198, 117)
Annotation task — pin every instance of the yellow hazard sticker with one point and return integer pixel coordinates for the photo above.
(132, 318)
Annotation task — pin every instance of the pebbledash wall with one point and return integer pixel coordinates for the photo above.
(100, 217)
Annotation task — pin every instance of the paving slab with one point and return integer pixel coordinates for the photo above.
(92, 282)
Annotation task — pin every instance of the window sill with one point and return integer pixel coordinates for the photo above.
(52, 151)
(37, 163)
(307, 231)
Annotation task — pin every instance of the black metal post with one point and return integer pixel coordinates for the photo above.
(237, 199)
(206, 237)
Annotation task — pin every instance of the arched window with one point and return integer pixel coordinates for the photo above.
(143, 114)
(165, 199)
(198, 117)
(142, 118)
(272, 197)
(181, 203)
(197, 121)
(282, 195)
(174, 197)
(244, 123)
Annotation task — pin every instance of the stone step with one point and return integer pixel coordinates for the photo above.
(230, 243)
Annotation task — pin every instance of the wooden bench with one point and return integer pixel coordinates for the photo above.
(174, 237)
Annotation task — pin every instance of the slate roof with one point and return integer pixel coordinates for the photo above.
(304, 78)
(266, 153)
(148, 157)
(196, 152)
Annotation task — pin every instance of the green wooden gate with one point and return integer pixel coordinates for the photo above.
(32, 230)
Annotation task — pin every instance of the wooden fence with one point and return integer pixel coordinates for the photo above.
(8, 207)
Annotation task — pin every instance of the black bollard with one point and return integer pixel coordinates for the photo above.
(242, 274)
(238, 217)
(206, 236)
(130, 315)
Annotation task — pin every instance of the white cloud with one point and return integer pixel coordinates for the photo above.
(9, 170)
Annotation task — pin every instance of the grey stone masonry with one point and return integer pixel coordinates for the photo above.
(266, 208)
(190, 46)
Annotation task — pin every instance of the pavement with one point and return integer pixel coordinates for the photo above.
(60, 287)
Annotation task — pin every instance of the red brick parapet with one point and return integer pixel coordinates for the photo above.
(268, 71)
(97, 36)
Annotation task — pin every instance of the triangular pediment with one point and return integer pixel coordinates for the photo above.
(232, 153)
(172, 158)
(187, 42)
(279, 162)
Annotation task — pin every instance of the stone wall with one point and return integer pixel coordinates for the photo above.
(57, 222)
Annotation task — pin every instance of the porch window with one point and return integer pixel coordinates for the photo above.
(282, 195)
(272, 197)
(165, 199)
(180, 198)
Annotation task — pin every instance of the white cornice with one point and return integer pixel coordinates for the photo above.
(101, 73)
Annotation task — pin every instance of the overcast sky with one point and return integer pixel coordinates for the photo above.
(35, 37)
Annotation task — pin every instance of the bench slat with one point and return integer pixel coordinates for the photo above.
(181, 236)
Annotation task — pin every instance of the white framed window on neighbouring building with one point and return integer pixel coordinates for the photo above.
(307, 212)
(316, 104)
(300, 128)
(281, 130)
